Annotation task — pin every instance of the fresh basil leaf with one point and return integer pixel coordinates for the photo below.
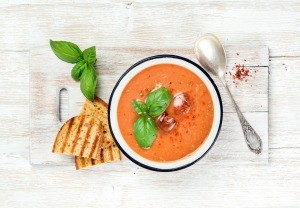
(66, 51)
(139, 107)
(145, 131)
(88, 82)
(89, 55)
(157, 101)
(78, 70)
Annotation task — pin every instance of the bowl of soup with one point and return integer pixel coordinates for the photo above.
(165, 113)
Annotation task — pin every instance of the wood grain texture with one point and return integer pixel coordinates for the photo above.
(252, 96)
(14, 109)
(252, 23)
(272, 23)
(284, 96)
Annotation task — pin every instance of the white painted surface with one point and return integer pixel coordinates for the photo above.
(28, 24)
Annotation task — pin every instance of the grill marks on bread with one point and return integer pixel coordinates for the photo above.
(113, 156)
(80, 136)
(109, 151)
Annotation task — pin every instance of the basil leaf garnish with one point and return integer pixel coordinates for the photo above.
(158, 101)
(66, 51)
(88, 82)
(89, 55)
(83, 70)
(145, 131)
(139, 107)
(78, 69)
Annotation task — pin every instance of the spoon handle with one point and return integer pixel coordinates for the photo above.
(253, 140)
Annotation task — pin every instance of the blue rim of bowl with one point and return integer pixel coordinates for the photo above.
(159, 57)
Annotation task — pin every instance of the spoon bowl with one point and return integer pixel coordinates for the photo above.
(211, 55)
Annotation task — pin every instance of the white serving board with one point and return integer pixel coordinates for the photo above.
(48, 73)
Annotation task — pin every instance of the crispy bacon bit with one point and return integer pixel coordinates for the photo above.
(181, 103)
(166, 122)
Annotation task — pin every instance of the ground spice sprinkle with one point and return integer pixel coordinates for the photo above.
(240, 73)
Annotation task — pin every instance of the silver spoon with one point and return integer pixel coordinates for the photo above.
(211, 56)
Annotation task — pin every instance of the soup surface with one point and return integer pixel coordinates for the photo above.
(191, 128)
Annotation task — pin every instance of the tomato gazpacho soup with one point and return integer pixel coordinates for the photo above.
(165, 112)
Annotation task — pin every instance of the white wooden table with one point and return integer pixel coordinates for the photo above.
(29, 24)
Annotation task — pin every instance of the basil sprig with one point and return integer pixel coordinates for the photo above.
(83, 69)
(88, 82)
(145, 129)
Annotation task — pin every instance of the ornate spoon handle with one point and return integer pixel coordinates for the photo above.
(252, 138)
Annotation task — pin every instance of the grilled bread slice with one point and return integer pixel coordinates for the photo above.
(109, 151)
(110, 154)
(80, 136)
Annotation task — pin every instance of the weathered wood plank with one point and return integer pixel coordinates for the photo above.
(121, 24)
(284, 96)
(231, 185)
(265, 4)
(14, 109)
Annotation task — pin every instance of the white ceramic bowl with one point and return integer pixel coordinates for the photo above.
(191, 158)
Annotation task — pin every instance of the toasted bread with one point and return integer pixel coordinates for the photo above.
(80, 136)
(109, 151)
(110, 154)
